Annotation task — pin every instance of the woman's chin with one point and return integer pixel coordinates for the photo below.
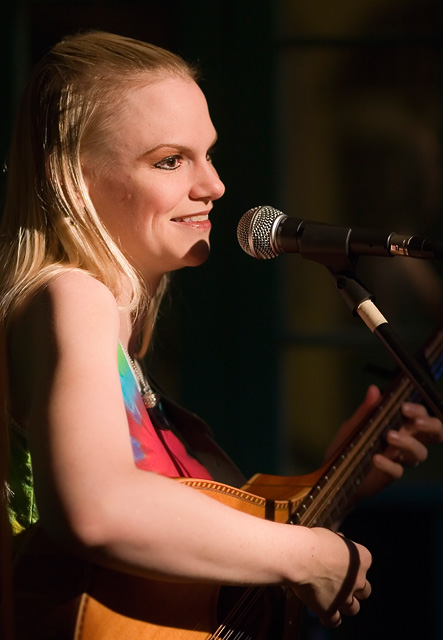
(198, 253)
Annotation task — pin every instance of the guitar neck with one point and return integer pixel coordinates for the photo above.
(333, 492)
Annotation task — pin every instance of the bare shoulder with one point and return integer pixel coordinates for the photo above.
(77, 288)
(71, 323)
(71, 315)
(70, 303)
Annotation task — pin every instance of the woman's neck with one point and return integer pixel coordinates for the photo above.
(130, 331)
(131, 328)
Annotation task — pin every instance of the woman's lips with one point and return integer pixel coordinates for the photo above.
(197, 218)
(198, 221)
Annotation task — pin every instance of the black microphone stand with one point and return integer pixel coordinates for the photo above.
(361, 303)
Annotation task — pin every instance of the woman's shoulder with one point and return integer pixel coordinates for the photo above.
(71, 301)
(66, 326)
(75, 282)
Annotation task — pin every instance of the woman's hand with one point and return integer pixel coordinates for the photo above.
(407, 447)
(337, 577)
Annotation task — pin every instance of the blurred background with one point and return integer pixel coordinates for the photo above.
(330, 111)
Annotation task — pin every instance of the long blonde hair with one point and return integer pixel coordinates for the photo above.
(49, 223)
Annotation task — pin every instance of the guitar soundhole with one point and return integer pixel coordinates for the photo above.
(250, 613)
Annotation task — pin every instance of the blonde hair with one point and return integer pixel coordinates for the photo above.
(49, 223)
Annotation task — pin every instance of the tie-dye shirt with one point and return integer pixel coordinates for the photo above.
(154, 444)
(155, 448)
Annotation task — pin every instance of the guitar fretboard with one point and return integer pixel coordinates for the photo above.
(331, 496)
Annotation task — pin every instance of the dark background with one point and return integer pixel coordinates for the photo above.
(329, 111)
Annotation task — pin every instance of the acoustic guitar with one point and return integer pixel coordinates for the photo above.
(119, 607)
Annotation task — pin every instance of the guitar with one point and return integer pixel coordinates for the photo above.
(117, 606)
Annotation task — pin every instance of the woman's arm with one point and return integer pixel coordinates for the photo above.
(92, 497)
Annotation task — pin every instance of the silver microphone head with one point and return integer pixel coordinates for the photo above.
(256, 232)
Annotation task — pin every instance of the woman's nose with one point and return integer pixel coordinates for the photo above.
(207, 184)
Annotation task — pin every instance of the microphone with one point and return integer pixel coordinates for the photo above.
(265, 232)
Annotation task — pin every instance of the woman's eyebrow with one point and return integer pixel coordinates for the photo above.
(166, 145)
(176, 146)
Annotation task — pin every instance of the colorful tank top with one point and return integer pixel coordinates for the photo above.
(155, 443)
(156, 447)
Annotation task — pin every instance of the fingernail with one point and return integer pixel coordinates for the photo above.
(408, 408)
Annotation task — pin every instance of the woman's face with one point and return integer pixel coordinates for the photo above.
(156, 191)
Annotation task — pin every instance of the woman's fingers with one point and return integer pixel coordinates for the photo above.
(427, 429)
(349, 608)
(408, 447)
(405, 449)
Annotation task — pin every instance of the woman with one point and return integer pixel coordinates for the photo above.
(111, 187)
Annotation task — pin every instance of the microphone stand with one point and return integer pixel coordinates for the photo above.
(333, 251)
(332, 247)
(360, 302)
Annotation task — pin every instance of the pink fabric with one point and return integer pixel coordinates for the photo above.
(154, 449)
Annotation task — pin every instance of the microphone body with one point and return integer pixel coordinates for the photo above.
(264, 232)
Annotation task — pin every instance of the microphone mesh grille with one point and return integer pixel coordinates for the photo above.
(254, 232)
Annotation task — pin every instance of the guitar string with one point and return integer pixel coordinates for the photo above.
(251, 596)
(253, 609)
(230, 619)
(254, 594)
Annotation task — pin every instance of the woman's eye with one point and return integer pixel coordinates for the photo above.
(169, 164)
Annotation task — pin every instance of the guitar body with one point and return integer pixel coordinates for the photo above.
(121, 607)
